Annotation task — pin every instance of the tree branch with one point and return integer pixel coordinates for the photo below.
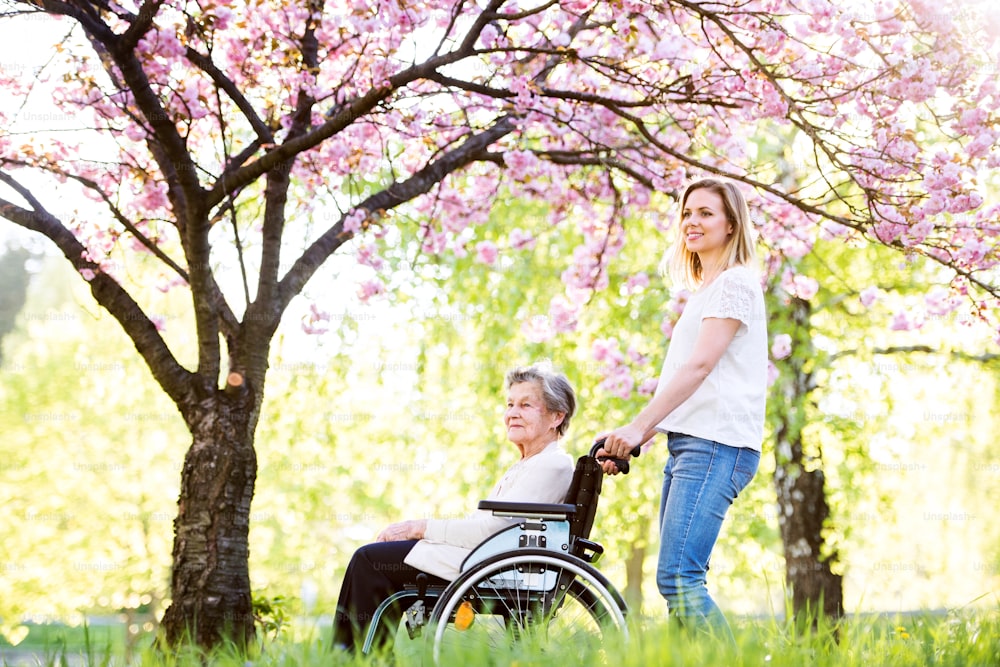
(171, 376)
(169, 149)
(983, 358)
(260, 128)
(472, 149)
(141, 23)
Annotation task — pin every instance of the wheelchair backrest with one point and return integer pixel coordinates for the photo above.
(583, 492)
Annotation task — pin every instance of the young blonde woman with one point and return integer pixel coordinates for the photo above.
(710, 398)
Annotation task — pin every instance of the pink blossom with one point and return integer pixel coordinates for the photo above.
(521, 240)
(677, 303)
(537, 329)
(667, 327)
(917, 233)
(618, 382)
(940, 302)
(772, 373)
(974, 251)
(935, 204)
(434, 242)
(316, 321)
(636, 357)
(223, 17)
(805, 287)
(459, 249)
(520, 164)
(353, 220)
(489, 36)
(781, 347)
(367, 255)
(487, 252)
(370, 288)
(891, 96)
(563, 315)
(904, 321)
(887, 231)
(607, 350)
(799, 286)
(869, 295)
(521, 87)
(636, 283)
(648, 386)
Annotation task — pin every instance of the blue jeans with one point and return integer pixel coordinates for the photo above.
(701, 480)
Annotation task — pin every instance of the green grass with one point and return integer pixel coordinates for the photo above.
(959, 639)
(53, 644)
(43, 635)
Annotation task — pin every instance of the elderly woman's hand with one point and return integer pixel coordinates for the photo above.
(412, 529)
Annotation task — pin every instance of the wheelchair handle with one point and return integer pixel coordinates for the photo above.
(621, 464)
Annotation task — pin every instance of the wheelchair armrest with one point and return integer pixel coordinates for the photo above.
(561, 511)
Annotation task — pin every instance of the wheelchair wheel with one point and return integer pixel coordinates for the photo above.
(529, 598)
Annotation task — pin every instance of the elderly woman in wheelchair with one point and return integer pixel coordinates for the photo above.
(508, 570)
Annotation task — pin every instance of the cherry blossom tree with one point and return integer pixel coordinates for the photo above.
(215, 134)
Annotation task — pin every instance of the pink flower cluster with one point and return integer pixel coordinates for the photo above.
(883, 118)
(618, 368)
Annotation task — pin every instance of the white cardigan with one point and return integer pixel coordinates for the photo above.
(542, 478)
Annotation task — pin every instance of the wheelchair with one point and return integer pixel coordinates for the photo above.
(532, 582)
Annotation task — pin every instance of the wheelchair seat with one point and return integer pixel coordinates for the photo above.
(563, 527)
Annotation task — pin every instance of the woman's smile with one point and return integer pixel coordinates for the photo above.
(705, 226)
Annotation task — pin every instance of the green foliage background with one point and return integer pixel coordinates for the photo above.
(396, 412)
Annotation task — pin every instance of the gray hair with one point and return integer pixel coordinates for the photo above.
(557, 392)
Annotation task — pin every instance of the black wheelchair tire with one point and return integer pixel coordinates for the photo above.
(601, 608)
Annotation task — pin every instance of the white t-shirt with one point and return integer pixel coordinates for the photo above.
(728, 407)
(542, 478)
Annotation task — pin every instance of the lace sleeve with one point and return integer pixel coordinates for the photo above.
(735, 300)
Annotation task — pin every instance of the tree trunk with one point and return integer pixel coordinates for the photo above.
(802, 510)
(633, 570)
(15, 278)
(210, 583)
(800, 485)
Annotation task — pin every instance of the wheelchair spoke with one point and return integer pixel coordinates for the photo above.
(527, 600)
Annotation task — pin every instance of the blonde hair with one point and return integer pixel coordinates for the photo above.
(685, 266)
